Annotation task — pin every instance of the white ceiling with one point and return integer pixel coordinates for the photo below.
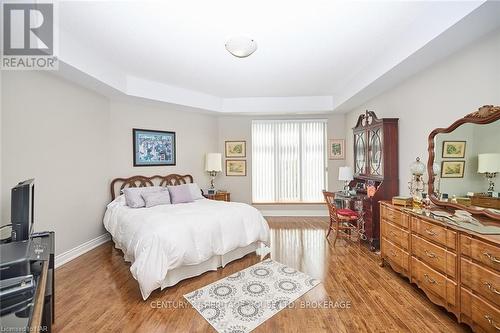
(312, 55)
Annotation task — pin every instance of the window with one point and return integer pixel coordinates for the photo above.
(288, 160)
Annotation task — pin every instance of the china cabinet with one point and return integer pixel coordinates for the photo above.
(375, 164)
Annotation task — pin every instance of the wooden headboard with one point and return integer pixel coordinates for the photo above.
(143, 181)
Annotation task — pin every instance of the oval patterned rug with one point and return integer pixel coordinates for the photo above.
(244, 300)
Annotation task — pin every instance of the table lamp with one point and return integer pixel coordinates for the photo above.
(345, 174)
(213, 164)
(489, 164)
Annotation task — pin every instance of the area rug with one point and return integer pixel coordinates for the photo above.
(244, 300)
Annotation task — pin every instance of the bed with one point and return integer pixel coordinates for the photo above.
(169, 243)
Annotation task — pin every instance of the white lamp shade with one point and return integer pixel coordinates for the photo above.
(488, 163)
(345, 173)
(213, 162)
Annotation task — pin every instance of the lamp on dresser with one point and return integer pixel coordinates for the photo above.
(489, 164)
(345, 174)
(213, 165)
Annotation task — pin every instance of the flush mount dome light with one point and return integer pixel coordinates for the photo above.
(240, 46)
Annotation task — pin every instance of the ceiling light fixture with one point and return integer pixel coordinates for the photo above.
(241, 46)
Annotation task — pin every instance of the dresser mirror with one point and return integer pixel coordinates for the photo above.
(464, 163)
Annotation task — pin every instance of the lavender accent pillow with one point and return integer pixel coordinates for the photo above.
(156, 198)
(133, 196)
(180, 194)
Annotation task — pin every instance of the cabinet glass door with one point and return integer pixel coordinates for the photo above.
(376, 167)
(360, 146)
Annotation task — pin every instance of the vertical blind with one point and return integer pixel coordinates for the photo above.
(288, 160)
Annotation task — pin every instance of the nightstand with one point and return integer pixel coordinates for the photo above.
(220, 196)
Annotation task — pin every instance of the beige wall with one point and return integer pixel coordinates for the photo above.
(233, 128)
(195, 135)
(436, 97)
(57, 133)
(74, 141)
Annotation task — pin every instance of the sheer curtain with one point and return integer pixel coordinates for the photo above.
(288, 160)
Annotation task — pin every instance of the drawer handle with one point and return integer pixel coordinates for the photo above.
(429, 279)
(492, 258)
(430, 232)
(393, 253)
(491, 321)
(491, 288)
(430, 254)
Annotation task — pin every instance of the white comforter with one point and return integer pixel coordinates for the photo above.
(161, 238)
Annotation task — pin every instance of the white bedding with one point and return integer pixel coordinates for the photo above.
(161, 238)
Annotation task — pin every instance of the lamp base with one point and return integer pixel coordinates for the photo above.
(491, 184)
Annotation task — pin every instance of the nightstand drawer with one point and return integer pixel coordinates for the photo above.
(219, 196)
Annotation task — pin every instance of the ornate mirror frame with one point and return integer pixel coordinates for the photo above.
(484, 115)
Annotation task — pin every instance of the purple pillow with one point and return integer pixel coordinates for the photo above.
(180, 194)
(156, 198)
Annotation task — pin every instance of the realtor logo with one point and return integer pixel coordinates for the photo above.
(28, 36)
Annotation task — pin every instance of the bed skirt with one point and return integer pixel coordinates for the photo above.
(185, 272)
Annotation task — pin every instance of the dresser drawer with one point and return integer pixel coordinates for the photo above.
(483, 281)
(480, 251)
(485, 318)
(395, 216)
(436, 283)
(395, 254)
(435, 256)
(396, 234)
(434, 232)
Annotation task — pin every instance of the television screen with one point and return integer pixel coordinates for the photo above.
(22, 210)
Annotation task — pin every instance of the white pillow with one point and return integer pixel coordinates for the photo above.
(195, 191)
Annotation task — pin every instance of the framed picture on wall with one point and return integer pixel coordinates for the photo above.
(452, 169)
(153, 148)
(236, 167)
(453, 149)
(236, 148)
(336, 149)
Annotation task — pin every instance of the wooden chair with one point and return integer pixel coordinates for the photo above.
(343, 222)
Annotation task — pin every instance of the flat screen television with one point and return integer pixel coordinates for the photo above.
(22, 207)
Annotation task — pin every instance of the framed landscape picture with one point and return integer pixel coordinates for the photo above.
(336, 149)
(153, 148)
(452, 169)
(236, 148)
(453, 149)
(236, 167)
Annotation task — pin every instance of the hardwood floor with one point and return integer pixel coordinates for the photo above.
(97, 293)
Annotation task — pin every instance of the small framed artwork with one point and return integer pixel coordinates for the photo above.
(236, 149)
(452, 169)
(153, 148)
(453, 149)
(336, 149)
(236, 167)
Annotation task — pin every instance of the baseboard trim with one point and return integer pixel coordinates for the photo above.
(295, 212)
(75, 252)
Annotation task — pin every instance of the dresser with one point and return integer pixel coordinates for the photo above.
(457, 268)
(485, 201)
(375, 163)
